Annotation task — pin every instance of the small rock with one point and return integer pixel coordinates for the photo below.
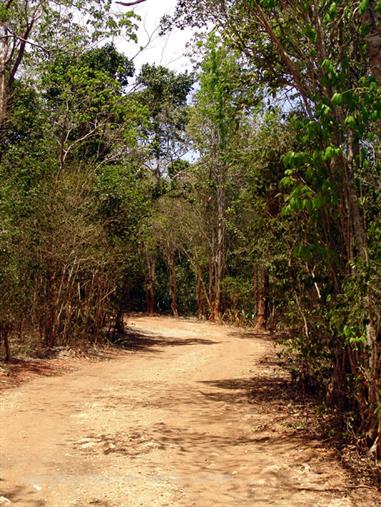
(5, 501)
(87, 445)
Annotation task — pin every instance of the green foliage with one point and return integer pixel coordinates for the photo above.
(73, 191)
(324, 259)
(165, 94)
(277, 219)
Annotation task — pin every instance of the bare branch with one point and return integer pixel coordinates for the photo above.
(13, 35)
(83, 138)
(260, 15)
(130, 4)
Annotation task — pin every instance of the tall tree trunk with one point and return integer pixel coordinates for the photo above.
(50, 310)
(374, 429)
(151, 284)
(158, 169)
(358, 226)
(119, 321)
(172, 282)
(12, 54)
(372, 369)
(200, 293)
(372, 18)
(3, 80)
(219, 254)
(262, 290)
(4, 334)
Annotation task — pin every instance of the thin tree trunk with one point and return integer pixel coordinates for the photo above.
(4, 333)
(372, 18)
(359, 232)
(262, 299)
(119, 322)
(172, 282)
(373, 380)
(255, 289)
(49, 332)
(151, 285)
(361, 249)
(11, 58)
(199, 293)
(3, 81)
(219, 257)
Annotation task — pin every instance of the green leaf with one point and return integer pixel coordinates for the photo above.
(364, 6)
(350, 121)
(337, 99)
(332, 11)
(326, 110)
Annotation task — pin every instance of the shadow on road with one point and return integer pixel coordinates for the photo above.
(138, 341)
(19, 494)
(255, 390)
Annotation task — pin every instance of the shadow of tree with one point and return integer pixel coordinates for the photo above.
(276, 396)
(138, 341)
(33, 366)
(255, 390)
(22, 495)
(253, 335)
(18, 371)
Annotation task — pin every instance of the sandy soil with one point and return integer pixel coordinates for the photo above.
(191, 416)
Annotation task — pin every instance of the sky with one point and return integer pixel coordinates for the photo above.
(167, 50)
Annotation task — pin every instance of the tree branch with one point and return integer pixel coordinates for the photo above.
(130, 4)
(13, 35)
(77, 141)
(258, 12)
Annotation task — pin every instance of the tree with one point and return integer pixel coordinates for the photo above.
(214, 125)
(323, 56)
(84, 96)
(45, 27)
(165, 94)
(62, 132)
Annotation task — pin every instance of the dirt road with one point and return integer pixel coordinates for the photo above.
(191, 416)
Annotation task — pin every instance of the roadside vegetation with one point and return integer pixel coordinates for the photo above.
(246, 191)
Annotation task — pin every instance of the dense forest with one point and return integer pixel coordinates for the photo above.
(247, 190)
